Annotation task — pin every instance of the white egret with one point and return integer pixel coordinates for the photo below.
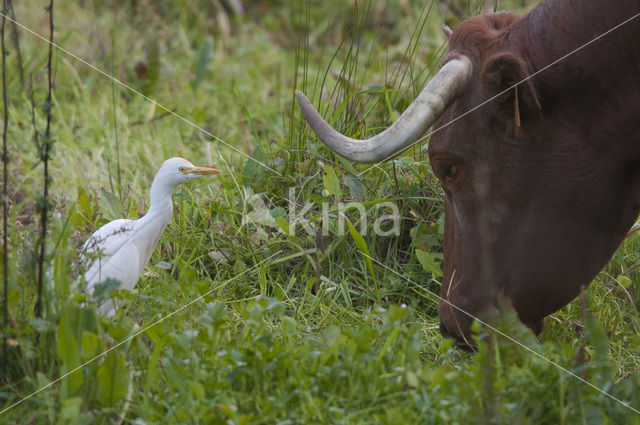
(121, 249)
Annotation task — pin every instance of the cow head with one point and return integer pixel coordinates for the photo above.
(536, 199)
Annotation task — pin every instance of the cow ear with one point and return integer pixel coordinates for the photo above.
(506, 72)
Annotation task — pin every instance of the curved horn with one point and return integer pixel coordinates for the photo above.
(447, 31)
(452, 79)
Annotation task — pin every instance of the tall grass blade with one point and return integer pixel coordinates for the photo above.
(115, 120)
(364, 250)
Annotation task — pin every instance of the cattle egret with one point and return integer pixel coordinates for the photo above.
(121, 249)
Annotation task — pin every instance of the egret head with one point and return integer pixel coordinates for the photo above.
(178, 170)
(173, 172)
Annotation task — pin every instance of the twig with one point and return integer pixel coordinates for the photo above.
(36, 140)
(45, 153)
(16, 39)
(5, 200)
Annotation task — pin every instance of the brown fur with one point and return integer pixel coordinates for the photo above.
(536, 210)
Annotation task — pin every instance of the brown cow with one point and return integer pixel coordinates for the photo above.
(543, 181)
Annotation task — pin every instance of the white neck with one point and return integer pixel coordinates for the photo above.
(160, 200)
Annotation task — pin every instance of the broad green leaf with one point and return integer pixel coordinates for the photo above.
(122, 328)
(90, 345)
(70, 410)
(331, 182)
(387, 344)
(112, 380)
(425, 237)
(111, 206)
(152, 368)
(505, 319)
(103, 289)
(413, 380)
(429, 263)
(84, 205)
(364, 250)
(597, 335)
(283, 224)
(276, 307)
(42, 326)
(624, 281)
(197, 389)
(356, 188)
(69, 352)
(277, 212)
(175, 373)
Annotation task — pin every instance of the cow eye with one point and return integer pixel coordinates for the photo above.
(449, 172)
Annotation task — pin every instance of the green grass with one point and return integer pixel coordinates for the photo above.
(312, 334)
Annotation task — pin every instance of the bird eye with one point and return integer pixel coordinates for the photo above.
(183, 169)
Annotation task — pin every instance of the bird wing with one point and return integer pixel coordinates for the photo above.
(112, 253)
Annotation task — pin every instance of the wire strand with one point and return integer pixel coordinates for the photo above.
(134, 335)
(123, 84)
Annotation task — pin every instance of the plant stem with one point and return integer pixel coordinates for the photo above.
(16, 40)
(46, 151)
(5, 200)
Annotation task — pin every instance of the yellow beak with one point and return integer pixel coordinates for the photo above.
(202, 170)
